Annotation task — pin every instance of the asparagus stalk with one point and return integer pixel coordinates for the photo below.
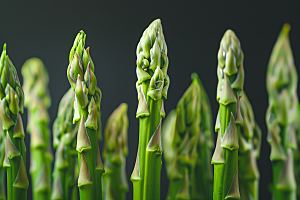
(11, 105)
(297, 153)
(115, 152)
(281, 115)
(65, 173)
(2, 155)
(152, 86)
(190, 127)
(37, 102)
(249, 152)
(231, 80)
(87, 105)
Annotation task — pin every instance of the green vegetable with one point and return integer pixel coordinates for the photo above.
(188, 142)
(37, 102)
(115, 152)
(249, 152)
(11, 105)
(297, 153)
(87, 113)
(281, 116)
(231, 80)
(152, 86)
(65, 173)
(2, 155)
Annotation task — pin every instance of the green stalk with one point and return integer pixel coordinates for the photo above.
(2, 155)
(65, 172)
(187, 140)
(153, 83)
(249, 151)
(297, 153)
(281, 116)
(11, 105)
(37, 102)
(231, 80)
(87, 113)
(114, 155)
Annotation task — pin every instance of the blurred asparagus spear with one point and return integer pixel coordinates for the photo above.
(282, 112)
(187, 141)
(2, 155)
(231, 80)
(11, 105)
(115, 152)
(37, 102)
(249, 152)
(87, 106)
(65, 173)
(152, 86)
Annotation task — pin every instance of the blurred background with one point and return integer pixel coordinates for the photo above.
(192, 30)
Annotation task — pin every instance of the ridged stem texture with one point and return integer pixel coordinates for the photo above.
(2, 155)
(65, 173)
(11, 105)
(191, 141)
(281, 116)
(37, 102)
(115, 152)
(152, 86)
(230, 73)
(249, 152)
(87, 115)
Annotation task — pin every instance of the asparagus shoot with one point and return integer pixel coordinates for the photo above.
(152, 86)
(37, 102)
(115, 152)
(281, 115)
(65, 173)
(187, 140)
(11, 105)
(249, 152)
(87, 106)
(231, 80)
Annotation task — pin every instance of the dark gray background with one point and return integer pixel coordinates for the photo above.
(192, 31)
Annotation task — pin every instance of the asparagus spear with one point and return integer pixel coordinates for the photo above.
(152, 86)
(231, 80)
(87, 105)
(249, 151)
(65, 171)
(297, 153)
(11, 105)
(188, 135)
(37, 102)
(115, 152)
(2, 155)
(281, 115)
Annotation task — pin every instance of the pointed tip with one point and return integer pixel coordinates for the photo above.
(285, 29)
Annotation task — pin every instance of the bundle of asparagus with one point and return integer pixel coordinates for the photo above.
(65, 171)
(249, 151)
(37, 102)
(188, 142)
(115, 152)
(231, 80)
(152, 86)
(11, 105)
(87, 106)
(281, 116)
